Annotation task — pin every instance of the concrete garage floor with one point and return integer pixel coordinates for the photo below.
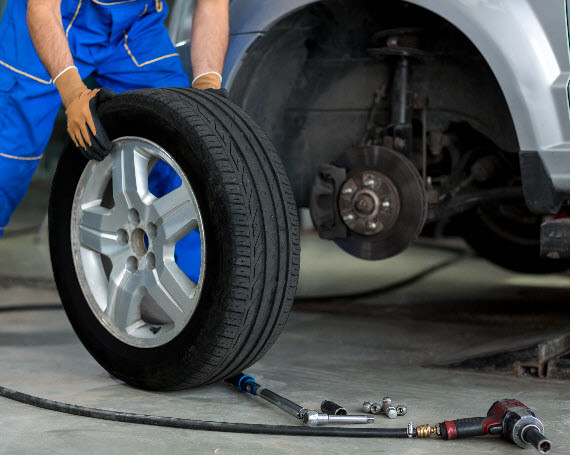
(347, 350)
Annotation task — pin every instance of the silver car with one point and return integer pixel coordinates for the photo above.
(397, 117)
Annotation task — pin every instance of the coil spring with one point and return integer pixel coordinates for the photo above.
(425, 431)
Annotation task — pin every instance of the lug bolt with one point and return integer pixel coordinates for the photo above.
(386, 204)
(369, 182)
(348, 217)
(371, 225)
(347, 190)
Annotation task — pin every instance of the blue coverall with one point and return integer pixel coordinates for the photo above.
(124, 45)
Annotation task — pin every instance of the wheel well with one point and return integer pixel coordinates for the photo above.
(310, 80)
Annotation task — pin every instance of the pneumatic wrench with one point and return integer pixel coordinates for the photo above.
(509, 418)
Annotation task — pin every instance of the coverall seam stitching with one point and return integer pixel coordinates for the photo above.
(23, 73)
(74, 17)
(114, 3)
(22, 158)
(147, 62)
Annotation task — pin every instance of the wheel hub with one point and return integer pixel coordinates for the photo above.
(369, 202)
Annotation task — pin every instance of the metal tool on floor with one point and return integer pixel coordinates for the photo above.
(331, 408)
(509, 418)
(312, 418)
(386, 408)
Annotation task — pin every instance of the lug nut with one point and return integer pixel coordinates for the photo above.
(348, 217)
(371, 225)
(386, 204)
(366, 406)
(376, 408)
(369, 182)
(347, 190)
(401, 410)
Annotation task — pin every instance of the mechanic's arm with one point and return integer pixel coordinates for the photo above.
(210, 36)
(46, 30)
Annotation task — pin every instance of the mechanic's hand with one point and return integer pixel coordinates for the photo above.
(84, 126)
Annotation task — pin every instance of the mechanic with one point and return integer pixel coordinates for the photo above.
(123, 44)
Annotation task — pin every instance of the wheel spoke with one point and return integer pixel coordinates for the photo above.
(124, 295)
(175, 215)
(173, 291)
(166, 301)
(100, 219)
(98, 231)
(130, 175)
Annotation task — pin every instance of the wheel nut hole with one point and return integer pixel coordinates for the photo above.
(139, 242)
(134, 217)
(132, 264)
(151, 230)
(122, 237)
(150, 261)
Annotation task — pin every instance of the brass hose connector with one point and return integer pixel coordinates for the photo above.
(425, 431)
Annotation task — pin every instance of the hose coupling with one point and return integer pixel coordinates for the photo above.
(425, 431)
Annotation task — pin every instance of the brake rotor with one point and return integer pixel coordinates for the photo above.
(383, 202)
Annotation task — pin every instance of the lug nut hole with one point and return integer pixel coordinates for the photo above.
(134, 217)
(151, 230)
(132, 264)
(122, 237)
(150, 261)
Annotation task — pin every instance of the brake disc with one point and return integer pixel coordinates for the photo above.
(383, 202)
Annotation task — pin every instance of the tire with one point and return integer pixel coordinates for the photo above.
(250, 228)
(508, 235)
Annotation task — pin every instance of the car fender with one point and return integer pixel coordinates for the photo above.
(525, 44)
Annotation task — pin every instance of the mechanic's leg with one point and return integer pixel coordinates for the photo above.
(29, 102)
(146, 58)
(28, 112)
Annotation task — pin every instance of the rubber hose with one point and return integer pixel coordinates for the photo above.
(189, 424)
(205, 425)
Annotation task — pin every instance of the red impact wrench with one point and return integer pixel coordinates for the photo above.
(509, 418)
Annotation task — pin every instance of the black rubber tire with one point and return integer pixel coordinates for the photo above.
(251, 228)
(511, 242)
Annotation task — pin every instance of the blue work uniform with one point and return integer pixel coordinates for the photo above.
(123, 44)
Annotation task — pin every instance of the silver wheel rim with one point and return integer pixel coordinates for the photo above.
(138, 294)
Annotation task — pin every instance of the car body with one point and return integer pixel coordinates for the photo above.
(486, 74)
